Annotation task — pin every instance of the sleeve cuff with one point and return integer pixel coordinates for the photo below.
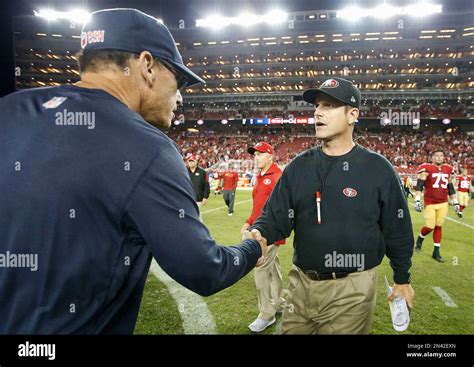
(256, 245)
(402, 278)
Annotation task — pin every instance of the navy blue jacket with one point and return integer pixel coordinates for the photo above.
(94, 191)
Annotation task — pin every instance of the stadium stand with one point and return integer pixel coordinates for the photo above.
(420, 67)
(405, 149)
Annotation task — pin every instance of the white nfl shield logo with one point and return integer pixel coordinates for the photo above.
(54, 102)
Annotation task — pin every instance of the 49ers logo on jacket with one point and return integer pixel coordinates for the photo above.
(330, 83)
(267, 181)
(349, 192)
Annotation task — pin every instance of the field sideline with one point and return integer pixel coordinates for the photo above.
(234, 308)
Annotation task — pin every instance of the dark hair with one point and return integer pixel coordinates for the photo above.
(347, 108)
(436, 151)
(92, 59)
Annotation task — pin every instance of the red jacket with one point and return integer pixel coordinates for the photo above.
(261, 192)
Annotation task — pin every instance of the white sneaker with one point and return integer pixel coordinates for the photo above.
(261, 324)
(230, 214)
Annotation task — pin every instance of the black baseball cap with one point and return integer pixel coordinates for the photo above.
(134, 31)
(338, 88)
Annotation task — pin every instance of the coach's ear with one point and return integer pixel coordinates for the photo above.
(353, 115)
(147, 67)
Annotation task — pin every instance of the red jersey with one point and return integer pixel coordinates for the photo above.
(231, 178)
(464, 183)
(436, 186)
(261, 192)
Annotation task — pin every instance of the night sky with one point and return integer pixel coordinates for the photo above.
(170, 12)
(194, 9)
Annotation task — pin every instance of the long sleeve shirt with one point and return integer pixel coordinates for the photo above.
(363, 212)
(94, 191)
(200, 183)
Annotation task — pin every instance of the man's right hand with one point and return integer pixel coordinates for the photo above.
(418, 206)
(262, 241)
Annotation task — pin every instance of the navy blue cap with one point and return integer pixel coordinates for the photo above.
(338, 88)
(133, 31)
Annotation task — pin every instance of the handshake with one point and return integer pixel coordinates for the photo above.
(257, 236)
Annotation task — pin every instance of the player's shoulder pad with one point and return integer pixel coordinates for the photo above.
(448, 168)
(423, 167)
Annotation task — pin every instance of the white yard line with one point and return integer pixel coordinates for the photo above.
(444, 296)
(197, 318)
(454, 220)
(224, 207)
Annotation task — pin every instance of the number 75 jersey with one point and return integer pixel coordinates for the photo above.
(436, 186)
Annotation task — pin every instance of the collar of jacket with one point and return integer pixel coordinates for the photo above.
(271, 170)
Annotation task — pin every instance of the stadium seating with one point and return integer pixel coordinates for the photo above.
(405, 149)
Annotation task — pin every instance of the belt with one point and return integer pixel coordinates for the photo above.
(314, 275)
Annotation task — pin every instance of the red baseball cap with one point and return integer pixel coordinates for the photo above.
(191, 157)
(261, 147)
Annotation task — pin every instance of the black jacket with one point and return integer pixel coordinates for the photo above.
(200, 183)
(363, 211)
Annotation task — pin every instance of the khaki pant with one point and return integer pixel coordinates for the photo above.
(340, 306)
(269, 283)
(435, 214)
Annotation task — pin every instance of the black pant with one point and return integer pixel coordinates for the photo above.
(229, 196)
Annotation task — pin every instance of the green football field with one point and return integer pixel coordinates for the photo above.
(165, 311)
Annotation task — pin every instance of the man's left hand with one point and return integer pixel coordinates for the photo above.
(404, 291)
(204, 201)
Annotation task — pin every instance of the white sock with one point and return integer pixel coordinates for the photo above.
(421, 235)
(437, 245)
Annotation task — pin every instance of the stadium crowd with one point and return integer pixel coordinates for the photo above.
(405, 149)
(369, 109)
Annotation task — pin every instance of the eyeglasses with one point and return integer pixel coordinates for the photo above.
(181, 79)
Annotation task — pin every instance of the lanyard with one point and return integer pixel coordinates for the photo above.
(319, 193)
